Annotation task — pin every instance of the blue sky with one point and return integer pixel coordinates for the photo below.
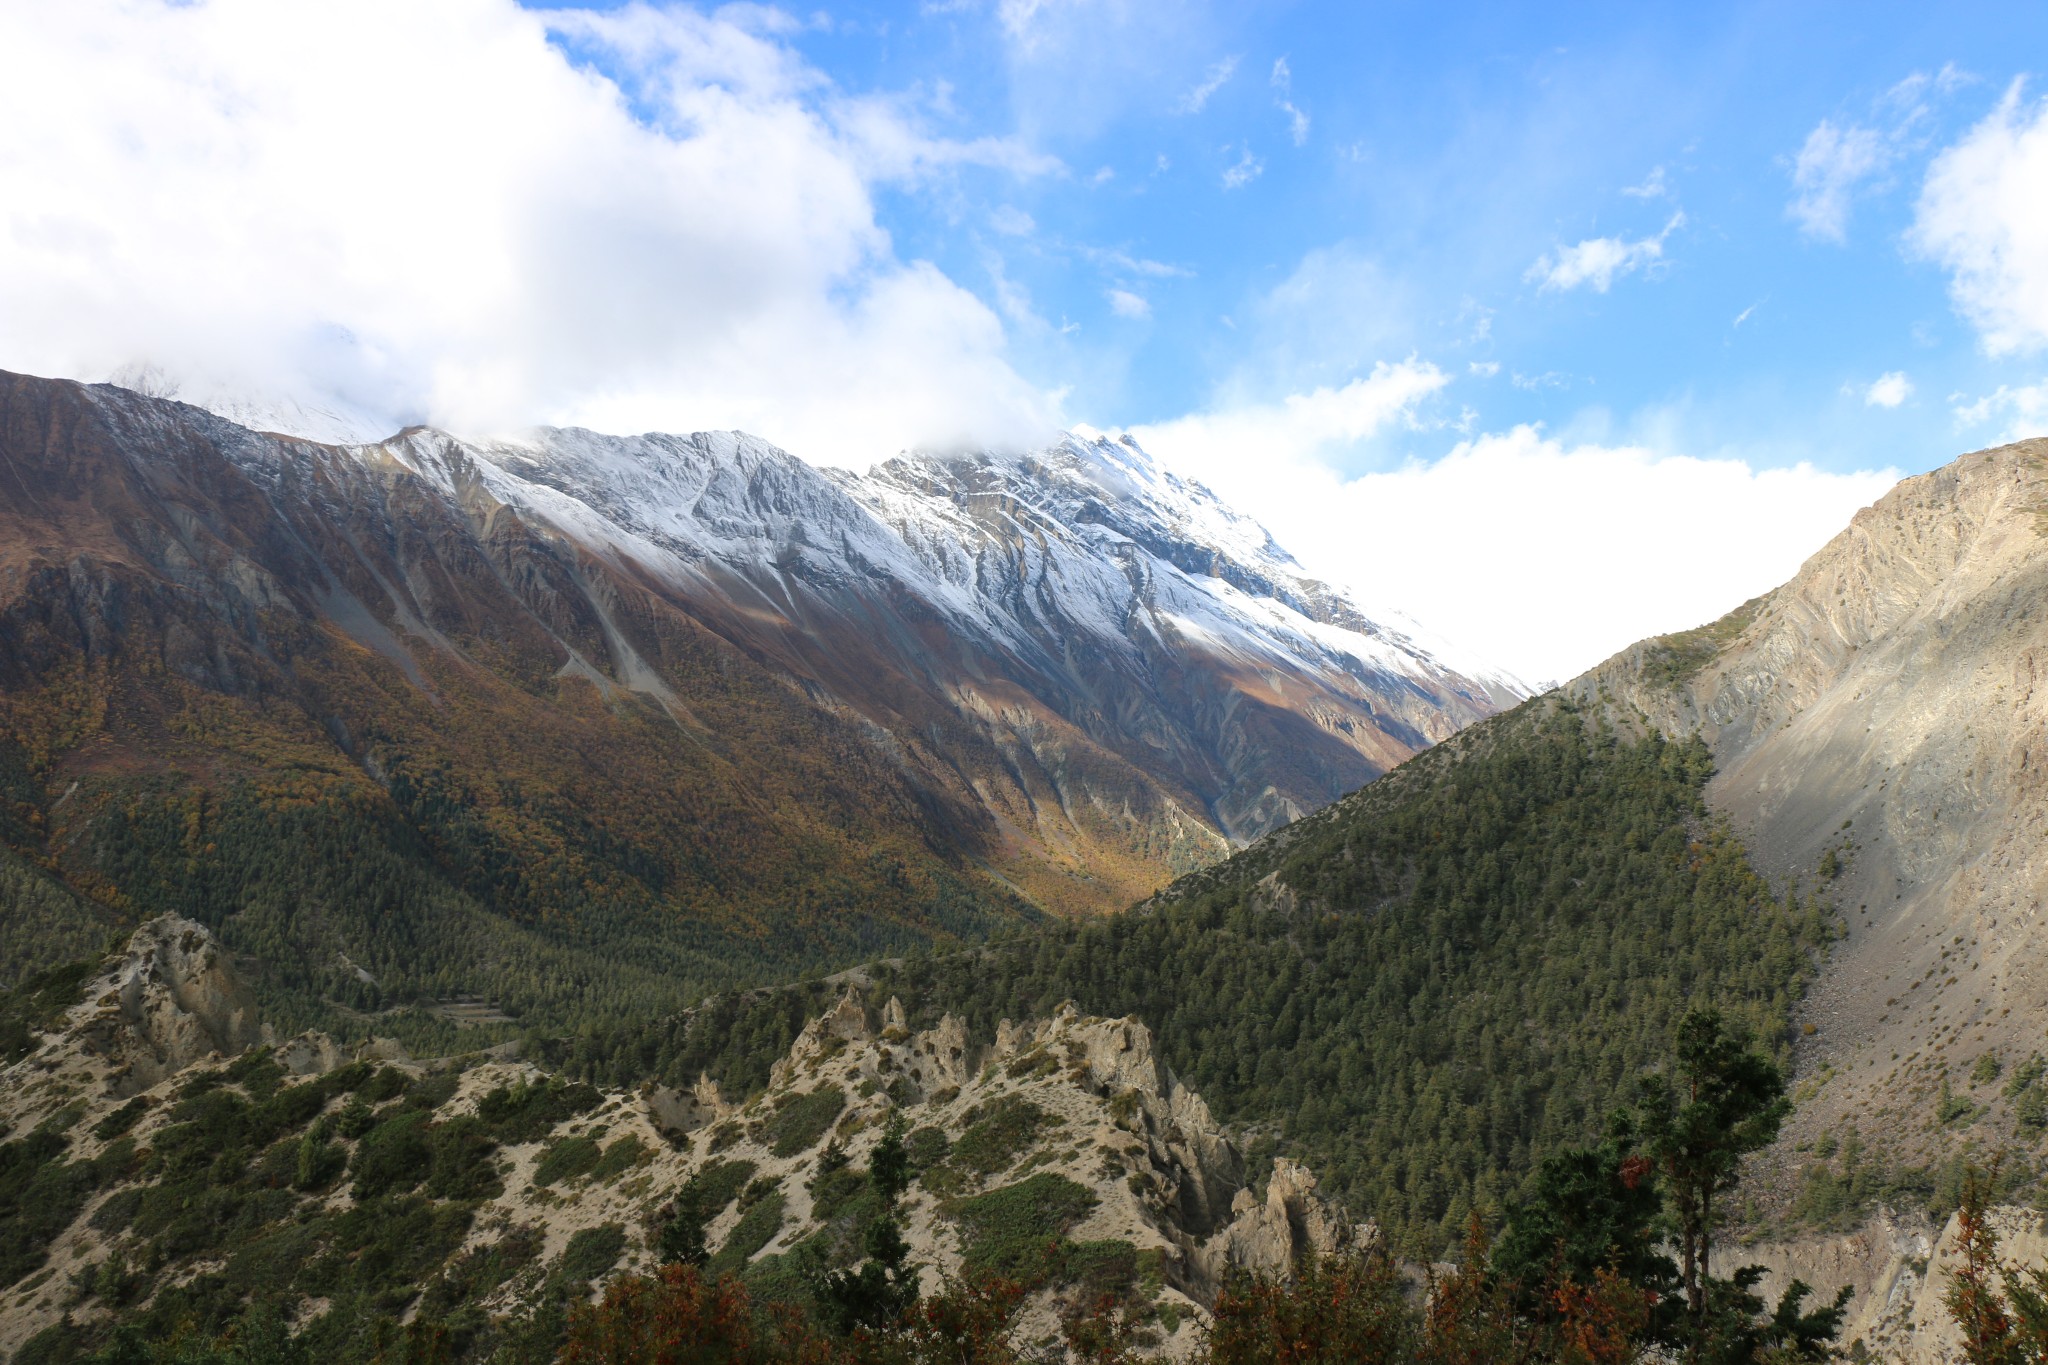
(1408, 166)
(1552, 327)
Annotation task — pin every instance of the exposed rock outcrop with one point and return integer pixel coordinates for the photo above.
(1877, 725)
(1108, 1170)
(169, 1000)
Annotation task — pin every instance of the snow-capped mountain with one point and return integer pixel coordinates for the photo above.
(1087, 672)
(1117, 597)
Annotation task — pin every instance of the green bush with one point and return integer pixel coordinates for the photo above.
(592, 1253)
(387, 1084)
(460, 1164)
(1009, 1126)
(800, 1120)
(624, 1155)
(926, 1147)
(717, 1185)
(833, 1190)
(527, 1111)
(393, 1157)
(257, 1072)
(566, 1160)
(1018, 1231)
(122, 1119)
(757, 1228)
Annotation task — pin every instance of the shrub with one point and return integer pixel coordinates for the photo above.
(591, 1253)
(526, 1112)
(1016, 1231)
(393, 1157)
(622, 1156)
(757, 1228)
(459, 1161)
(566, 1160)
(712, 1188)
(1009, 1126)
(800, 1120)
(832, 1190)
(122, 1119)
(926, 1147)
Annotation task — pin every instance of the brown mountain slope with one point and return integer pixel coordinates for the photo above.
(1881, 718)
(585, 726)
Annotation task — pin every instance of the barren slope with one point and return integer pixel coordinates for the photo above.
(1886, 705)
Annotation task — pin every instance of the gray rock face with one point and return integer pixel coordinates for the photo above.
(1883, 718)
(1887, 706)
(169, 1001)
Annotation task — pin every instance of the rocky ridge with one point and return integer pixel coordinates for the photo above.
(1070, 1123)
(1877, 726)
(803, 716)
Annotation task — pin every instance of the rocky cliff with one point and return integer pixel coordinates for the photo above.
(1065, 1153)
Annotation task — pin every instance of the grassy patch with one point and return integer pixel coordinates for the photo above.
(121, 1120)
(592, 1253)
(1674, 659)
(628, 1153)
(926, 1147)
(757, 1228)
(37, 1006)
(717, 1185)
(527, 1112)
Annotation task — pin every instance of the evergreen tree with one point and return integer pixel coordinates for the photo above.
(883, 1288)
(1720, 1102)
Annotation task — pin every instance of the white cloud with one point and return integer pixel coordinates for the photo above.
(1598, 261)
(1983, 214)
(2024, 410)
(1888, 390)
(1012, 221)
(1246, 170)
(1303, 424)
(1540, 556)
(1653, 186)
(1485, 369)
(1297, 120)
(1297, 123)
(1113, 258)
(1745, 315)
(1830, 166)
(431, 211)
(1216, 78)
(1125, 304)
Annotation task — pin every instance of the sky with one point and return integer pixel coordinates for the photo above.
(1552, 327)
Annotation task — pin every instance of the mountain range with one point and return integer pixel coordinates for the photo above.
(576, 725)
(590, 739)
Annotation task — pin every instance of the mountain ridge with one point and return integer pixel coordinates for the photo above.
(683, 690)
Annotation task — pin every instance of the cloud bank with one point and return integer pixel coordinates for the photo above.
(445, 212)
(1541, 555)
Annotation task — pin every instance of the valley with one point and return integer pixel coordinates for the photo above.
(695, 792)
